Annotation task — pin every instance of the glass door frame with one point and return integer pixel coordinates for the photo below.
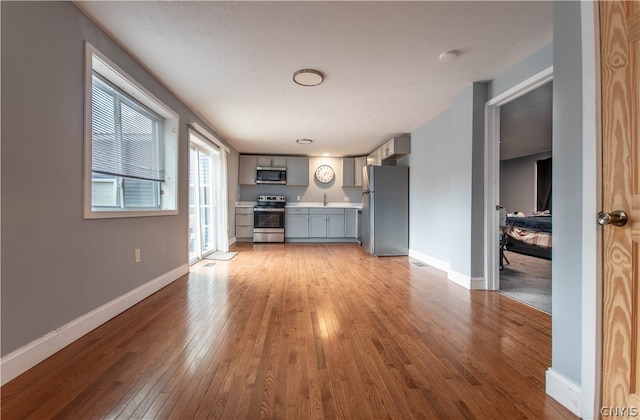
(199, 147)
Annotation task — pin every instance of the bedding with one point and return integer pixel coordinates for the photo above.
(529, 235)
(532, 223)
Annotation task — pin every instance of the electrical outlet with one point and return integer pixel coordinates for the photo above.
(346, 198)
(298, 198)
(137, 256)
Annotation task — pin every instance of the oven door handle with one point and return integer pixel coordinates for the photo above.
(275, 210)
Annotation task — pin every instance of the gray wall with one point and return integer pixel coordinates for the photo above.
(467, 180)
(567, 190)
(528, 67)
(518, 183)
(446, 184)
(430, 189)
(56, 266)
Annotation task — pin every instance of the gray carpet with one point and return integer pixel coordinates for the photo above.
(221, 256)
(528, 280)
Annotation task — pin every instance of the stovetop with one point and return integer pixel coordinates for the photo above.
(271, 201)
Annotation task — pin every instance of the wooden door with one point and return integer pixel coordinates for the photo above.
(620, 48)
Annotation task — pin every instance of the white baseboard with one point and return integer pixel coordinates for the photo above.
(434, 262)
(477, 283)
(232, 240)
(564, 390)
(38, 350)
(468, 282)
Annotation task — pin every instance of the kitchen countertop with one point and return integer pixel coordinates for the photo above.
(245, 204)
(319, 204)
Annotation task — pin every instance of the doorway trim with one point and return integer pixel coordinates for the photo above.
(492, 170)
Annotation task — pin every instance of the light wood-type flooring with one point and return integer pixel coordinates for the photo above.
(302, 331)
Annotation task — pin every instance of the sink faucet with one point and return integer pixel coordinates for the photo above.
(325, 199)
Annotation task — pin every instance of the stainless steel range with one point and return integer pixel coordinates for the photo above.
(268, 218)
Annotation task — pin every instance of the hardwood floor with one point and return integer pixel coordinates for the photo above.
(302, 331)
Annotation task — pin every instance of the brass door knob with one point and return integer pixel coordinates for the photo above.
(615, 218)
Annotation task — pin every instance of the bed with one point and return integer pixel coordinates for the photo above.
(528, 235)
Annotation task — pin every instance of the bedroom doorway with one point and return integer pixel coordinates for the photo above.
(525, 194)
(514, 160)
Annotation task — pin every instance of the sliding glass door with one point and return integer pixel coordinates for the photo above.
(203, 162)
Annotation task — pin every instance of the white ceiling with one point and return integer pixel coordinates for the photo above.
(232, 62)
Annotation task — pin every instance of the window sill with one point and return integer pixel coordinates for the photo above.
(111, 214)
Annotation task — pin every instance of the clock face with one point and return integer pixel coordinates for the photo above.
(324, 174)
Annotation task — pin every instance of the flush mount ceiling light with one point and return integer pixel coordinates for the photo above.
(308, 77)
(448, 55)
(304, 141)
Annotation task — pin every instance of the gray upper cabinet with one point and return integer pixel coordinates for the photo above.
(272, 161)
(375, 158)
(348, 172)
(297, 170)
(352, 171)
(279, 161)
(361, 162)
(396, 148)
(247, 170)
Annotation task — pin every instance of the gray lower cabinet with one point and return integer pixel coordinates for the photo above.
(326, 223)
(317, 226)
(335, 226)
(321, 224)
(351, 223)
(296, 222)
(244, 224)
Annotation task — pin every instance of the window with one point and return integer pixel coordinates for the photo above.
(130, 145)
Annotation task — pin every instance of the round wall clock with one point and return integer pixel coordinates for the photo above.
(324, 174)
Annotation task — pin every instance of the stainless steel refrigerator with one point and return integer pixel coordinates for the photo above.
(385, 210)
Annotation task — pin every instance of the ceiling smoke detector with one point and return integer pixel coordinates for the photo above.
(308, 77)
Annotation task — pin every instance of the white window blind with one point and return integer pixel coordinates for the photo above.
(126, 136)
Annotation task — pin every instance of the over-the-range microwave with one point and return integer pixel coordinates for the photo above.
(269, 175)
